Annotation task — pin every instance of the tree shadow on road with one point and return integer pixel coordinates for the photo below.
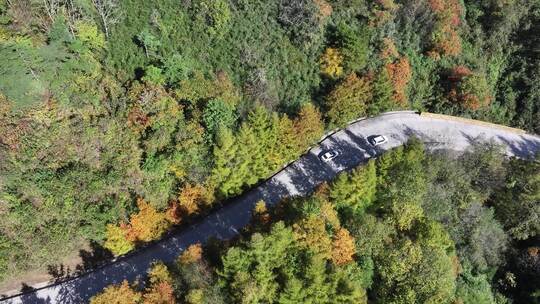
(93, 258)
(59, 272)
(526, 148)
(30, 297)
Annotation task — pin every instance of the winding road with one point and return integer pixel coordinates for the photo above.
(298, 178)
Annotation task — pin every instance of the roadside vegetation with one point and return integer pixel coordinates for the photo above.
(409, 227)
(121, 118)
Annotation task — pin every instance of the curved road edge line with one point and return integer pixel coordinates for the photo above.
(473, 122)
(47, 284)
(43, 285)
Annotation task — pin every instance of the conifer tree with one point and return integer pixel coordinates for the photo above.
(385, 164)
(517, 203)
(355, 190)
(317, 288)
(224, 155)
(310, 233)
(261, 123)
(274, 145)
(288, 146)
(383, 94)
(348, 100)
(308, 126)
(293, 293)
(246, 152)
(250, 272)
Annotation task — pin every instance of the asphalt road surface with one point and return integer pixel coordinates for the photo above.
(299, 178)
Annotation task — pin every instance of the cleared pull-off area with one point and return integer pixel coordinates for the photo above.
(299, 178)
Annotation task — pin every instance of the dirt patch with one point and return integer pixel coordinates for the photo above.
(43, 276)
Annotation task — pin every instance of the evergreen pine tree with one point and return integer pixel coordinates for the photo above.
(383, 92)
(224, 155)
(355, 190)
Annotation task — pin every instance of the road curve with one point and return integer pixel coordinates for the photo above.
(299, 178)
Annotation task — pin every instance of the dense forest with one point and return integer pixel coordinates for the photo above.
(122, 118)
(410, 227)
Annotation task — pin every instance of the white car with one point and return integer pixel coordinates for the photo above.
(329, 155)
(376, 140)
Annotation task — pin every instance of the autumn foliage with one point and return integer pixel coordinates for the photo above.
(260, 213)
(159, 290)
(388, 50)
(308, 126)
(191, 197)
(445, 36)
(332, 63)
(148, 224)
(343, 247)
(192, 254)
(311, 234)
(161, 293)
(117, 294)
(397, 68)
(383, 12)
(400, 74)
(469, 89)
(348, 100)
(325, 8)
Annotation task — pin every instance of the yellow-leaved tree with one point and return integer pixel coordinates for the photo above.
(117, 294)
(331, 63)
(343, 247)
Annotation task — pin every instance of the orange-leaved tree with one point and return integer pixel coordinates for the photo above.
(148, 224)
(400, 74)
(160, 289)
(191, 255)
(469, 89)
(343, 247)
(445, 36)
(191, 198)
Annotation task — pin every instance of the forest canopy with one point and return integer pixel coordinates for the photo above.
(409, 227)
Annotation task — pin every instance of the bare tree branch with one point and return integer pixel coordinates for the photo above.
(109, 13)
(52, 8)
